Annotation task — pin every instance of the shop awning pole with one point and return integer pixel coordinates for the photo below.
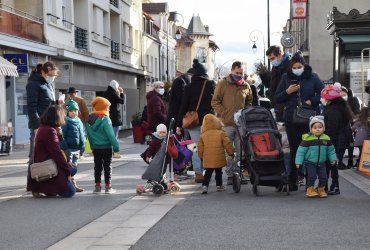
(362, 72)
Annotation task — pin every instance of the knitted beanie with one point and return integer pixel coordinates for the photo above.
(114, 84)
(315, 119)
(297, 57)
(71, 105)
(199, 69)
(100, 103)
(161, 128)
(331, 92)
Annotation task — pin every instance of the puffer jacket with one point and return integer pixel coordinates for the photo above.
(156, 109)
(114, 112)
(73, 134)
(100, 133)
(40, 95)
(213, 142)
(229, 98)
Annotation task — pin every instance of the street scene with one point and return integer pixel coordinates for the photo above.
(149, 124)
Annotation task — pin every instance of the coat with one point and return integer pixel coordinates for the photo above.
(310, 89)
(229, 98)
(362, 133)
(154, 146)
(213, 142)
(47, 147)
(73, 134)
(115, 100)
(156, 109)
(276, 74)
(354, 102)
(84, 111)
(177, 90)
(191, 96)
(100, 133)
(40, 95)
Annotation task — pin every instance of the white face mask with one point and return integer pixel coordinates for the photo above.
(345, 97)
(50, 79)
(323, 101)
(298, 72)
(161, 91)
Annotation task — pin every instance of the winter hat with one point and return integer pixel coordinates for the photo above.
(199, 69)
(190, 71)
(161, 128)
(71, 105)
(344, 89)
(297, 57)
(331, 92)
(114, 84)
(100, 105)
(315, 119)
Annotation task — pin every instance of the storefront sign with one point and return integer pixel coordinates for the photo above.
(19, 60)
(299, 9)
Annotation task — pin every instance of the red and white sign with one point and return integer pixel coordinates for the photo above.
(299, 8)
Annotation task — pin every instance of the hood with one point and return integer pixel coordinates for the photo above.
(95, 121)
(37, 77)
(151, 94)
(211, 122)
(74, 121)
(350, 94)
(156, 135)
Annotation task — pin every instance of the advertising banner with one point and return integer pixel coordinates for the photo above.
(299, 9)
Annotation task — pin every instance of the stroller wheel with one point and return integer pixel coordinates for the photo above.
(255, 190)
(237, 181)
(174, 188)
(158, 189)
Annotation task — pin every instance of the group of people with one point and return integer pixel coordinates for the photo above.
(58, 129)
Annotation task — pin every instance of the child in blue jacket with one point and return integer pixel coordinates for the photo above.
(314, 151)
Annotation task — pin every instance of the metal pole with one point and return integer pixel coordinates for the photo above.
(268, 30)
(167, 50)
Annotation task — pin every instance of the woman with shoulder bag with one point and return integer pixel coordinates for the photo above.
(47, 147)
(299, 86)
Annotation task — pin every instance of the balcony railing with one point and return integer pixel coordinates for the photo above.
(114, 3)
(80, 38)
(114, 50)
(10, 9)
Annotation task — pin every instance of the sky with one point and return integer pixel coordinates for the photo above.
(232, 21)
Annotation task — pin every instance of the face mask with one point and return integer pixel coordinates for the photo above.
(275, 63)
(323, 101)
(50, 79)
(161, 91)
(345, 97)
(237, 79)
(298, 72)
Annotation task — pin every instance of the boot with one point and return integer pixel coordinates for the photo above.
(199, 178)
(78, 189)
(333, 190)
(322, 192)
(350, 163)
(311, 192)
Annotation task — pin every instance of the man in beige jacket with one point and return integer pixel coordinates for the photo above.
(231, 94)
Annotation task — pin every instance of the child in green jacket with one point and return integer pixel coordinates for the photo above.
(102, 140)
(313, 152)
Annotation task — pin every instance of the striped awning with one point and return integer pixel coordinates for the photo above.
(7, 68)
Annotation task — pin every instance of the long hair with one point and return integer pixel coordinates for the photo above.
(53, 116)
(363, 116)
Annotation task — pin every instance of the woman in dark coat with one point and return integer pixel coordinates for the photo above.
(156, 108)
(47, 147)
(298, 80)
(338, 116)
(189, 103)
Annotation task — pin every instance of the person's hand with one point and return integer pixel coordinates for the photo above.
(178, 131)
(292, 88)
(308, 102)
(298, 166)
(147, 159)
(333, 163)
(69, 178)
(116, 155)
(35, 130)
(120, 90)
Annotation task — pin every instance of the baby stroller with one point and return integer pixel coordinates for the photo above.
(156, 171)
(261, 150)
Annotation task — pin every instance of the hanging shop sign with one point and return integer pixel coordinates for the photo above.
(299, 9)
(19, 60)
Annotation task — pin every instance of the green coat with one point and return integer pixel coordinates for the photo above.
(100, 133)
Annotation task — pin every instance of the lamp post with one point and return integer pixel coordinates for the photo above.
(253, 36)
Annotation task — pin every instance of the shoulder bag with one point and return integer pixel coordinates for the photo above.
(42, 171)
(191, 118)
(302, 114)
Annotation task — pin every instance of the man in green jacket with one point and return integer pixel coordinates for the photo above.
(232, 93)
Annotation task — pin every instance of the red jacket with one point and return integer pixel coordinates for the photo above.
(47, 147)
(157, 110)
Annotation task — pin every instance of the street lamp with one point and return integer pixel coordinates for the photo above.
(253, 36)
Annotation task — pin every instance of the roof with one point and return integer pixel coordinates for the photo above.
(155, 8)
(196, 27)
(7, 68)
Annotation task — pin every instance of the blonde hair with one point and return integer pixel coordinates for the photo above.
(157, 84)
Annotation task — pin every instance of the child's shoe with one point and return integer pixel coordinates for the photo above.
(333, 190)
(109, 190)
(220, 188)
(204, 190)
(322, 193)
(97, 190)
(311, 192)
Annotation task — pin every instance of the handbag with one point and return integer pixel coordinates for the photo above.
(42, 171)
(302, 114)
(191, 118)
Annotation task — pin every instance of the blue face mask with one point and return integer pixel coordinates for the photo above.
(275, 63)
(236, 77)
(161, 91)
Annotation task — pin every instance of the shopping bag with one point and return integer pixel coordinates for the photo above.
(364, 164)
(87, 147)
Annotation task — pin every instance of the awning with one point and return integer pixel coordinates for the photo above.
(7, 68)
(355, 38)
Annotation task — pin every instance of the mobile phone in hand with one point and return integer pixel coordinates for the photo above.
(295, 82)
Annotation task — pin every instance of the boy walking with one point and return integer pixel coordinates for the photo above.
(313, 153)
(102, 140)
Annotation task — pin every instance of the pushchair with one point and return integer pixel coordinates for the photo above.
(261, 151)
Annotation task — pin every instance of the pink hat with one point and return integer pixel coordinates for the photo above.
(331, 92)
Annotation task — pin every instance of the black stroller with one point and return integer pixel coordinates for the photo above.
(261, 151)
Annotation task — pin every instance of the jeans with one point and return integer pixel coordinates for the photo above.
(72, 155)
(197, 165)
(234, 138)
(116, 131)
(71, 190)
(208, 175)
(73, 171)
(103, 159)
(316, 171)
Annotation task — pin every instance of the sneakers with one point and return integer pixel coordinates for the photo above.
(311, 192)
(229, 180)
(220, 188)
(97, 190)
(333, 190)
(37, 195)
(204, 190)
(109, 190)
(322, 193)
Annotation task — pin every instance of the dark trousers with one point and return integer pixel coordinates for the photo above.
(208, 175)
(103, 159)
(333, 171)
(294, 134)
(340, 154)
(315, 171)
